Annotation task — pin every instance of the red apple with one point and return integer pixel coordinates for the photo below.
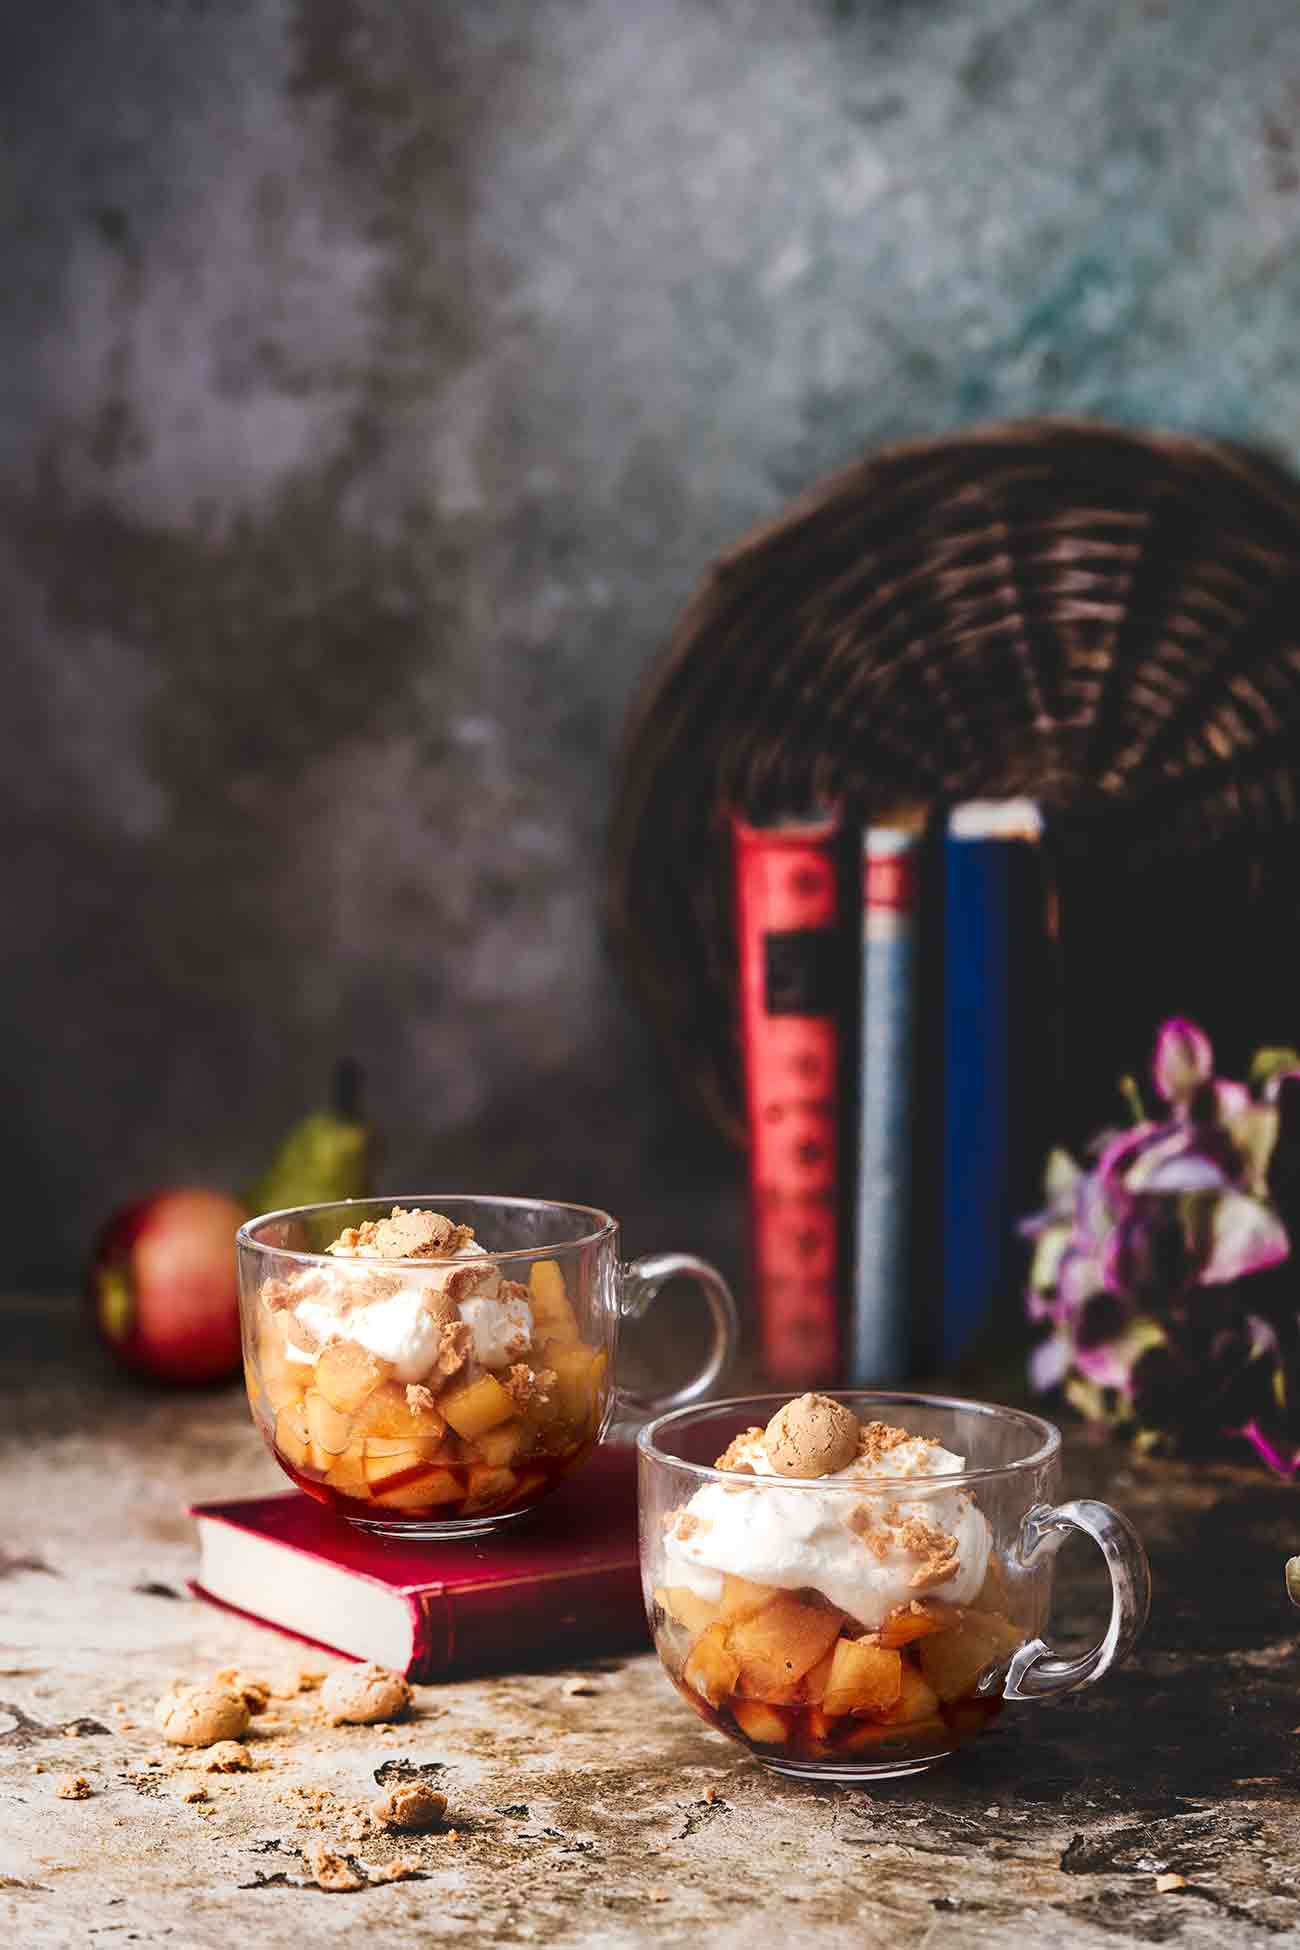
(162, 1282)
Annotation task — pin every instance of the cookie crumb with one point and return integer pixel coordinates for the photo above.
(74, 1787)
(224, 1757)
(195, 1794)
(255, 1693)
(1168, 1882)
(333, 1871)
(737, 1450)
(412, 1805)
(397, 1870)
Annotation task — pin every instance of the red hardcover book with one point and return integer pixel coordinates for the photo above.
(567, 1582)
(788, 942)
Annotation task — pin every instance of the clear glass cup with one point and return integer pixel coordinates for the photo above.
(816, 1691)
(404, 1452)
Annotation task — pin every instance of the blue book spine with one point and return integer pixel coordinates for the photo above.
(990, 865)
(880, 1342)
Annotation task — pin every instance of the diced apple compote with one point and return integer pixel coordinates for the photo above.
(790, 1675)
(467, 1442)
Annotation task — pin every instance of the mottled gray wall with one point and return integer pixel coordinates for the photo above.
(377, 377)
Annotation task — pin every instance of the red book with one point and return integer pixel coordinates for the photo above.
(567, 1582)
(788, 943)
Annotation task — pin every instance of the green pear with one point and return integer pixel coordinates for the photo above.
(324, 1158)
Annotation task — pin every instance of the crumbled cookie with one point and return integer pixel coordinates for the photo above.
(811, 1436)
(526, 1385)
(936, 1548)
(403, 1235)
(877, 1439)
(311, 1678)
(365, 1695)
(734, 1455)
(689, 1525)
(410, 1805)
(397, 1870)
(310, 1805)
(333, 1871)
(226, 1757)
(197, 1716)
(255, 1693)
(453, 1349)
(74, 1787)
(195, 1794)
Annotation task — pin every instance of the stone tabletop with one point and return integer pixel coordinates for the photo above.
(606, 1814)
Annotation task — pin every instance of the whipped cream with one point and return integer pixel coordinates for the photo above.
(863, 1552)
(399, 1328)
(500, 1330)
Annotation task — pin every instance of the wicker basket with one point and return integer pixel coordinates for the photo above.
(1106, 621)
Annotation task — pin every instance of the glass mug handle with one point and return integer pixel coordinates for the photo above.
(642, 1280)
(1037, 1672)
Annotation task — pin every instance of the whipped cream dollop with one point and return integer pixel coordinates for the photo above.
(399, 1327)
(865, 1547)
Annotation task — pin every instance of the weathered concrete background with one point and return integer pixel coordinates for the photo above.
(585, 1821)
(376, 378)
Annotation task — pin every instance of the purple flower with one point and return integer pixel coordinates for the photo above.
(1183, 1061)
(1160, 1282)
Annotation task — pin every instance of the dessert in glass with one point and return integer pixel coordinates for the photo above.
(423, 1382)
(851, 1585)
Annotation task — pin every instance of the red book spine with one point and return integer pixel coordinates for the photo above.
(787, 935)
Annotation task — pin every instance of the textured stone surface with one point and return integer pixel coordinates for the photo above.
(376, 380)
(586, 1819)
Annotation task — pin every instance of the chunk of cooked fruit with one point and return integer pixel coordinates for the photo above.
(347, 1473)
(579, 1385)
(384, 1457)
(500, 1446)
(817, 1678)
(487, 1486)
(778, 1645)
(387, 1412)
(530, 1481)
(759, 1722)
(819, 1727)
(712, 1668)
(330, 1431)
(284, 1382)
(971, 1642)
(927, 1736)
(416, 1488)
(865, 1677)
(480, 1406)
(917, 1699)
(291, 1437)
(346, 1374)
(908, 1622)
(553, 1315)
(687, 1607)
(741, 1599)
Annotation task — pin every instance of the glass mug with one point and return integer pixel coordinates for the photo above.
(816, 1689)
(341, 1357)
